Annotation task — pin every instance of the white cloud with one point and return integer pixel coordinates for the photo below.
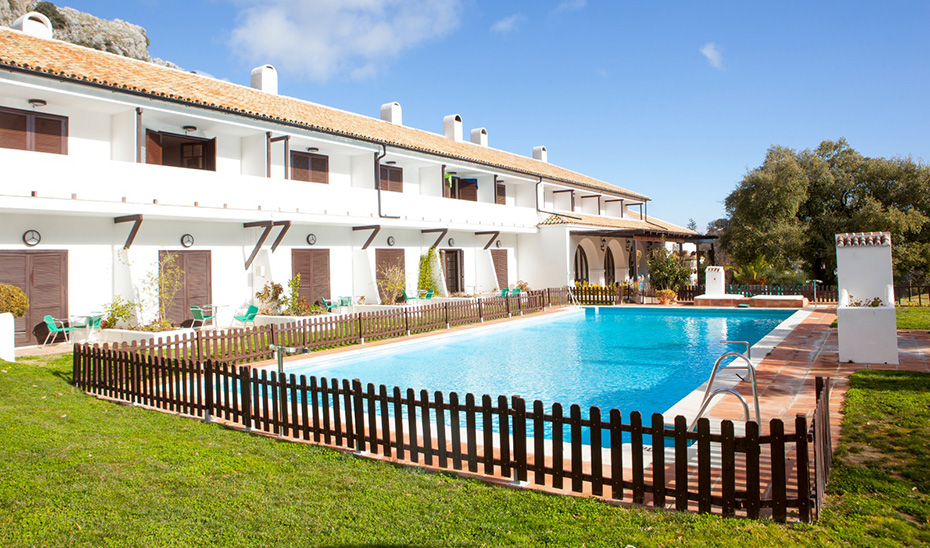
(323, 38)
(508, 24)
(570, 5)
(713, 54)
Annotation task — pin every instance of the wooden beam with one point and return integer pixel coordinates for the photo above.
(136, 223)
(442, 234)
(494, 235)
(285, 226)
(375, 229)
(267, 225)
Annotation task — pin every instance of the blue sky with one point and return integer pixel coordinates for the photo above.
(676, 100)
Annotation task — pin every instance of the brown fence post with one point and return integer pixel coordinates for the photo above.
(208, 383)
(359, 417)
(245, 393)
(447, 307)
(803, 458)
(519, 439)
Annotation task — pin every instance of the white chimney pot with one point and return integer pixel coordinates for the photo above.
(391, 112)
(34, 24)
(265, 78)
(479, 136)
(540, 153)
(452, 127)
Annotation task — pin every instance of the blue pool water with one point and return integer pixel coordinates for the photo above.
(613, 358)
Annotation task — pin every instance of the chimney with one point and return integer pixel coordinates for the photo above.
(34, 24)
(452, 127)
(541, 154)
(265, 78)
(479, 136)
(391, 112)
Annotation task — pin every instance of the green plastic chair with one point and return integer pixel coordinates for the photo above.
(409, 298)
(201, 315)
(54, 329)
(429, 294)
(425, 294)
(504, 292)
(515, 292)
(249, 316)
(345, 301)
(330, 304)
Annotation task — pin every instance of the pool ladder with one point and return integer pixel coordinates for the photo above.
(710, 393)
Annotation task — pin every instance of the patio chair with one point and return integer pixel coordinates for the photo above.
(515, 292)
(54, 328)
(202, 315)
(408, 298)
(249, 316)
(330, 304)
(425, 294)
(504, 292)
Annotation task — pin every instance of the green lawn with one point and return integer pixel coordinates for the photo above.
(913, 317)
(76, 471)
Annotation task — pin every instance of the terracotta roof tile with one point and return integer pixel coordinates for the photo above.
(71, 62)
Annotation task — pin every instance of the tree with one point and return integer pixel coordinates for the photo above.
(787, 211)
(691, 225)
(667, 270)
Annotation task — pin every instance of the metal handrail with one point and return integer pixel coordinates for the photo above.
(572, 295)
(709, 393)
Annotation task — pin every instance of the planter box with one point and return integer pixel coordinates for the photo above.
(117, 336)
(867, 335)
(7, 338)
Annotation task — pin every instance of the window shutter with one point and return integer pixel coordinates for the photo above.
(51, 135)
(209, 155)
(13, 132)
(392, 179)
(300, 167)
(153, 147)
(499, 257)
(500, 194)
(319, 169)
(468, 189)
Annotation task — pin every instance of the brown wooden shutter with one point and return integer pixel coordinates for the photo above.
(153, 147)
(319, 169)
(500, 194)
(13, 271)
(300, 167)
(468, 190)
(313, 267)
(51, 135)
(392, 179)
(499, 257)
(43, 276)
(196, 276)
(384, 258)
(13, 132)
(209, 155)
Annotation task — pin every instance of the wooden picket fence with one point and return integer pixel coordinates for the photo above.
(249, 344)
(753, 474)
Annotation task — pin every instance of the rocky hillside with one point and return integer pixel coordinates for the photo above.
(81, 28)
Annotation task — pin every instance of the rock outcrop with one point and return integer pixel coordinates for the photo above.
(71, 25)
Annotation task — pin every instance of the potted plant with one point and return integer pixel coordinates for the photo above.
(13, 303)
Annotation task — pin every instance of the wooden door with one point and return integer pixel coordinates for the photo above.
(313, 267)
(499, 258)
(43, 275)
(196, 283)
(452, 267)
(385, 258)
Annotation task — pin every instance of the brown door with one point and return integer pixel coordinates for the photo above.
(499, 257)
(385, 258)
(313, 267)
(452, 267)
(196, 283)
(43, 275)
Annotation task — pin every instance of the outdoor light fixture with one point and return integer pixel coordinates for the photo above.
(312, 149)
(38, 102)
(603, 243)
(188, 129)
(391, 163)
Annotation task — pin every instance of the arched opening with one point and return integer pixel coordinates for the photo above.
(610, 275)
(581, 265)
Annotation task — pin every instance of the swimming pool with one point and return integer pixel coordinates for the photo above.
(631, 359)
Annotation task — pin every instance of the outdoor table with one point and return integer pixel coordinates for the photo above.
(90, 322)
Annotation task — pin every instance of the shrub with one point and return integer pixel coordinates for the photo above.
(116, 311)
(270, 300)
(13, 300)
(523, 286)
(428, 269)
(55, 17)
(392, 282)
(666, 296)
(667, 271)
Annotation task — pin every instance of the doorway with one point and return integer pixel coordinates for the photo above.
(452, 267)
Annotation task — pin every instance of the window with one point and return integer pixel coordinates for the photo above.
(313, 168)
(392, 178)
(462, 189)
(500, 194)
(169, 149)
(610, 275)
(581, 265)
(36, 131)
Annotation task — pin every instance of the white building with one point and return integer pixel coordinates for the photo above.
(107, 164)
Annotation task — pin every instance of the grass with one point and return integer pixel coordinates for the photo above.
(77, 471)
(910, 317)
